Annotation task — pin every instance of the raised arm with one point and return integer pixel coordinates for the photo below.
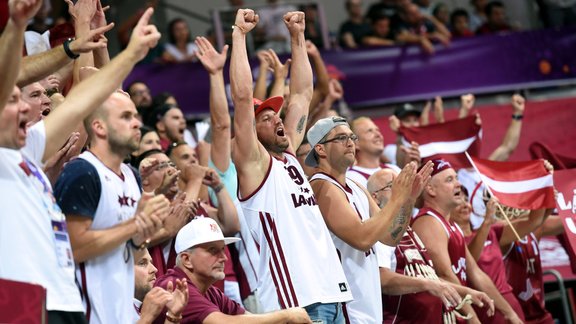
(512, 137)
(101, 55)
(321, 88)
(92, 92)
(249, 155)
(37, 67)
(280, 73)
(214, 63)
(301, 86)
(477, 244)
(466, 104)
(82, 12)
(260, 85)
(11, 43)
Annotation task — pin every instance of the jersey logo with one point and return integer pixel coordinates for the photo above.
(301, 200)
(126, 201)
(461, 270)
(343, 287)
(294, 174)
(525, 295)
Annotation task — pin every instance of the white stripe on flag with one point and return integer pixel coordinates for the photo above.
(434, 148)
(516, 187)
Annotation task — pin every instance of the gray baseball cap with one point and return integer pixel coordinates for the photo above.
(317, 132)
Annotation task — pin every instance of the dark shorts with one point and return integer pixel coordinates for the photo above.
(59, 317)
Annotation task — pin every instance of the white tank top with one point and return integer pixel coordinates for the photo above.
(360, 267)
(298, 263)
(108, 279)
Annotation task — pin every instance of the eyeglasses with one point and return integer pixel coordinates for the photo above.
(385, 188)
(343, 139)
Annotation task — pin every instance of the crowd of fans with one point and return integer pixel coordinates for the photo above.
(384, 23)
(291, 213)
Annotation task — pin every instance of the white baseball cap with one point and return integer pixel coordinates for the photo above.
(200, 230)
(317, 132)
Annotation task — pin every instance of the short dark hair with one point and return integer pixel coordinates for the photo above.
(491, 6)
(173, 146)
(458, 13)
(129, 87)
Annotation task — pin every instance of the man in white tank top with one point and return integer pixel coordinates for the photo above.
(298, 263)
(346, 207)
(100, 197)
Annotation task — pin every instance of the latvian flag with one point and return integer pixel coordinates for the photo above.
(524, 185)
(446, 141)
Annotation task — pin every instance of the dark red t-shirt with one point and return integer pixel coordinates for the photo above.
(199, 305)
(524, 271)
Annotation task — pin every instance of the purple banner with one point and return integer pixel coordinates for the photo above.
(396, 74)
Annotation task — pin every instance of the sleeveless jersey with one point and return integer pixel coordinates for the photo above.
(105, 279)
(360, 267)
(298, 264)
(412, 260)
(524, 270)
(456, 242)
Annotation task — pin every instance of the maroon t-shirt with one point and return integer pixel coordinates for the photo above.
(199, 305)
(524, 271)
(456, 243)
(423, 307)
(491, 263)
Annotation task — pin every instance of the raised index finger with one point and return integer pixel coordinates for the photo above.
(145, 19)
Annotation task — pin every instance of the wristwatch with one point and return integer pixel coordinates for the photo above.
(67, 49)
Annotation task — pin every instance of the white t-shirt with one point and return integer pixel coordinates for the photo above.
(179, 56)
(28, 243)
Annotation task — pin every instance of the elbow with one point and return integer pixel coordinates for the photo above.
(79, 255)
(221, 126)
(363, 245)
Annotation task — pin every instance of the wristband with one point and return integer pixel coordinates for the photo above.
(141, 246)
(517, 116)
(67, 49)
(172, 318)
(236, 26)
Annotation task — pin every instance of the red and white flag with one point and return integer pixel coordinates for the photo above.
(447, 141)
(524, 185)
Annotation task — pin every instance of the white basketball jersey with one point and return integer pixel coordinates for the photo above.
(247, 250)
(108, 280)
(360, 267)
(298, 263)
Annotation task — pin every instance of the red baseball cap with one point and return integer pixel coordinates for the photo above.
(274, 103)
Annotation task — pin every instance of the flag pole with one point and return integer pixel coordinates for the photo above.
(492, 195)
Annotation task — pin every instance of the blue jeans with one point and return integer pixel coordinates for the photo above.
(325, 313)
